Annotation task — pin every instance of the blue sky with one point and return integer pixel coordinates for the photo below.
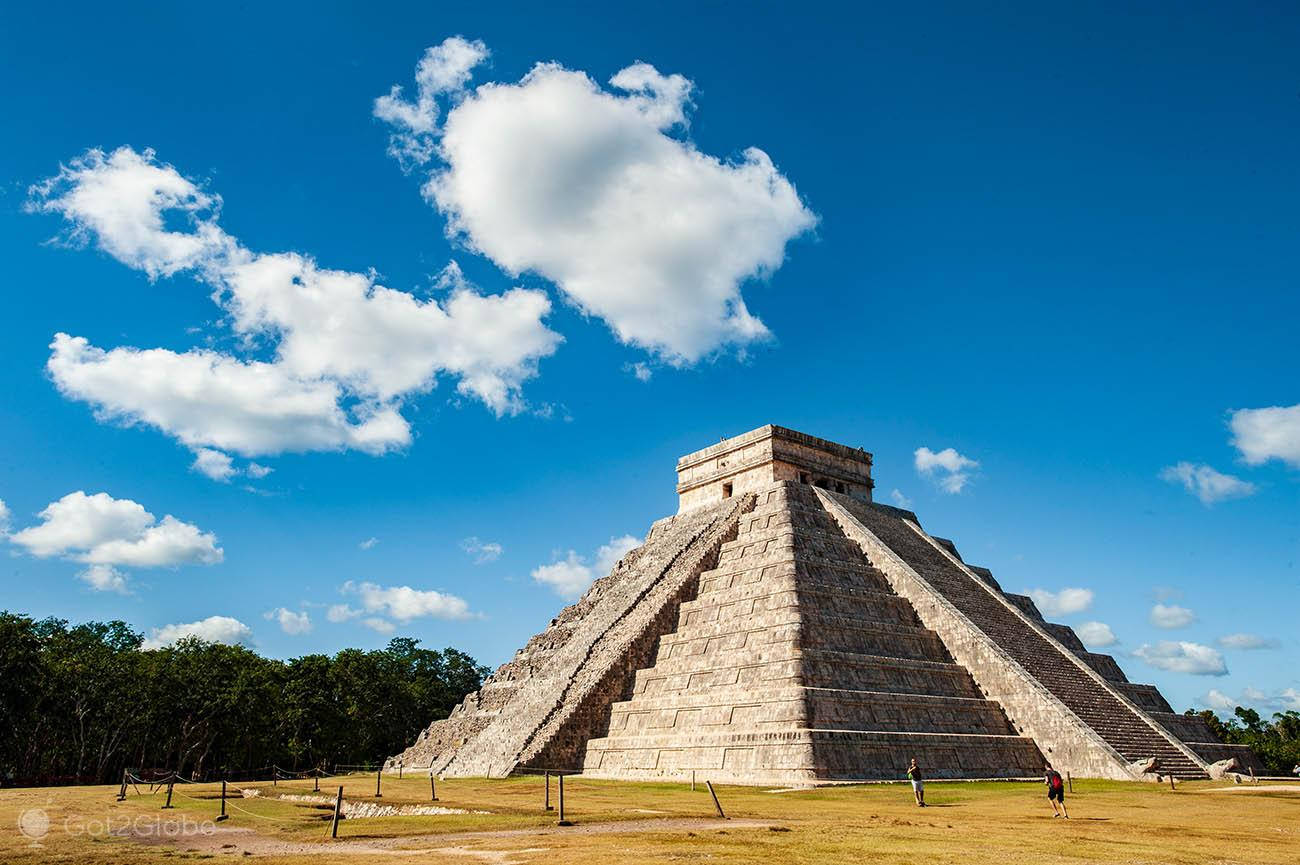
(1061, 244)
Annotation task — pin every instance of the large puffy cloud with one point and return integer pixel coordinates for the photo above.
(213, 629)
(101, 530)
(949, 469)
(1207, 483)
(1263, 434)
(587, 187)
(1066, 602)
(569, 577)
(211, 400)
(1183, 657)
(347, 351)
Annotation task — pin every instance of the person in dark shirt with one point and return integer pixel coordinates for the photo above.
(918, 785)
(1055, 792)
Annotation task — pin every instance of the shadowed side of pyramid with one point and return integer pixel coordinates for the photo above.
(782, 628)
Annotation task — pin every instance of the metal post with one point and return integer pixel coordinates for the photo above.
(223, 801)
(170, 783)
(716, 803)
(121, 794)
(379, 777)
(433, 790)
(546, 803)
(562, 821)
(338, 809)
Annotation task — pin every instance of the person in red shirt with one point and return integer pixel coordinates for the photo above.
(1056, 792)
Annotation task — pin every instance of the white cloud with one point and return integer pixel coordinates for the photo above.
(1285, 700)
(346, 350)
(220, 467)
(368, 543)
(119, 200)
(586, 187)
(1249, 642)
(1216, 699)
(4, 518)
(570, 576)
(1206, 483)
(290, 622)
(1171, 616)
(1063, 603)
(1183, 657)
(341, 613)
(375, 623)
(640, 370)
(1096, 635)
(901, 500)
(482, 552)
(947, 468)
(214, 464)
(444, 69)
(399, 602)
(105, 578)
(213, 629)
(101, 530)
(1263, 434)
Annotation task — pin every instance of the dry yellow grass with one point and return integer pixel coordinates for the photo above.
(968, 823)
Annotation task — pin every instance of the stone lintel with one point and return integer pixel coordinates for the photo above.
(766, 455)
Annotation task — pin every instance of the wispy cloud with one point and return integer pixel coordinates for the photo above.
(1206, 483)
(950, 470)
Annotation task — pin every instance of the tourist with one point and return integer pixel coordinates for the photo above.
(1056, 792)
(918, 785)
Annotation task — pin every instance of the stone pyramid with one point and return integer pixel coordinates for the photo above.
(783, 629)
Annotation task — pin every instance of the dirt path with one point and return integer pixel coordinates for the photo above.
(238, 841)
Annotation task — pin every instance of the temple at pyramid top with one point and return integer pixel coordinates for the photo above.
(766, 455)
(782, 628)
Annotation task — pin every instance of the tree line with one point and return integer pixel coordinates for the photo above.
(80, 703)
(1276, 742)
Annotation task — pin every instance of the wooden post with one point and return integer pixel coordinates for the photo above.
(433, 790)
(1253, 779)
(400, 766)
(1171, 783)
(121, 794)
(223, 801)
(716, 803)
(562, 821)
(546, 802)
(170, 783)
(338, 809)
(692, 780)
(1069, 781)
(379, 777)
(316, 782)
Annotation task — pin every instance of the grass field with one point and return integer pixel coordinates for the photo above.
(969, 823)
